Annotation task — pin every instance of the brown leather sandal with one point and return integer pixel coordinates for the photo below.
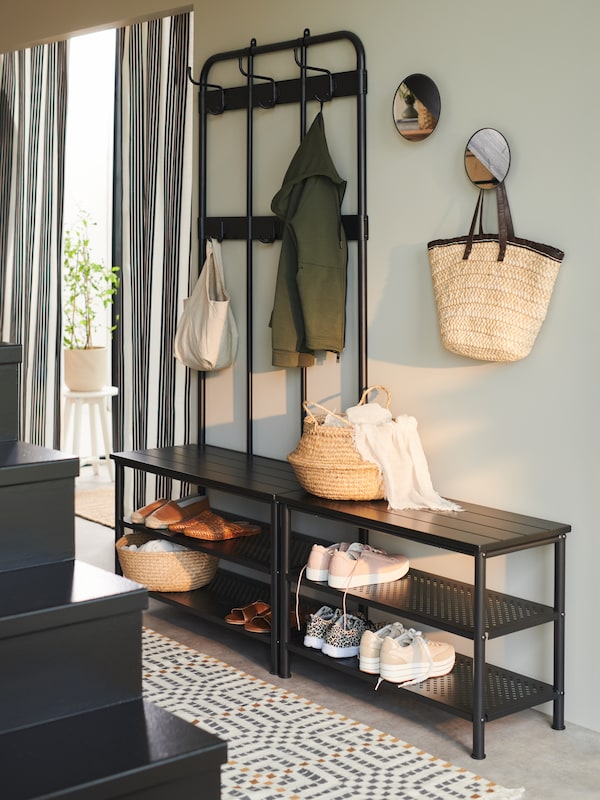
(261, 623)
(213, 528)
(241, 616)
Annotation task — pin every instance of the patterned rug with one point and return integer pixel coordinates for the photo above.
(97, 505)
(284, 747)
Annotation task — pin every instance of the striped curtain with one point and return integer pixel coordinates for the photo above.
(33, 103)
(152, 225)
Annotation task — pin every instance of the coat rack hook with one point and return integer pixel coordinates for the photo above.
(273, 101)
(191, 78)
(269, 239)
(329, 94)
(221, 107)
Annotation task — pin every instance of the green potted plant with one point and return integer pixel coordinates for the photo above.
(89, 288)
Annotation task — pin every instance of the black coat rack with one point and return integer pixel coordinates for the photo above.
(261, 91)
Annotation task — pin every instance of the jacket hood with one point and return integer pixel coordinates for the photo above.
(311, 158)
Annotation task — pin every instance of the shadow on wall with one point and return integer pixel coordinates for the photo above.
(404, 329)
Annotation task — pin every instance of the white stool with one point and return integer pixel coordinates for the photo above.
(95, 401)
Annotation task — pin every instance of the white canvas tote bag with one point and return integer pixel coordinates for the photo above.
(207, 336)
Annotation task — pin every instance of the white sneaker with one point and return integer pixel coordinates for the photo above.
(370, 646)
(411, 658)
(365, 567)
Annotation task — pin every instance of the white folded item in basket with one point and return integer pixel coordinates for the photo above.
(156, 546)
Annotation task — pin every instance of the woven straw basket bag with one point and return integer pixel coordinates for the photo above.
(327, 463)
(177, 571)
(492, 291)
(426, 119)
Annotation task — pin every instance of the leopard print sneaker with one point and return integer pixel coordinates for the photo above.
(318, 624)
(342, 640)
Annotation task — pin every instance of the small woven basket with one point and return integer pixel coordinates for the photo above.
(177, 571)
(426, 119)
(326, 462)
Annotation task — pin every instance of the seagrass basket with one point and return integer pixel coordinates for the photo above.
(177, 571)
(426, 119)
(326, 462)
(492, 291)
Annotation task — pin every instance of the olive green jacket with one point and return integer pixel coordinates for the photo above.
(309, 310)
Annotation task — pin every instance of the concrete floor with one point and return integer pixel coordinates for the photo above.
(522, 749)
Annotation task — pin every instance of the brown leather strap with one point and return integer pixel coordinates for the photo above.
(505, 225)
(506, 231)
(478, 213)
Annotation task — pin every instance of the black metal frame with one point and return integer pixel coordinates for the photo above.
(482, 533)
(471, 690)
(269, 93)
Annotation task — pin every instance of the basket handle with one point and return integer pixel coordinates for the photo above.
(506, 231)
(308, 403)
(368, 391)
(505, 223)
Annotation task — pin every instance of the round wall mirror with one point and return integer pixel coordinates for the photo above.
(416, 107)
(487, 158)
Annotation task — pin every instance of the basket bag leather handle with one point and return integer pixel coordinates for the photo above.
(505, 225)
(504, 218)
(478, 213)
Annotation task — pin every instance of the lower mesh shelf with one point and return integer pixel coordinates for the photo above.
(227, 590)
(505, 691)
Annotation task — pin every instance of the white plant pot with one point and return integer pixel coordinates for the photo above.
(86, 370)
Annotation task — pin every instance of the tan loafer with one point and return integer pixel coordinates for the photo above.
(140, 515)
(176, 511)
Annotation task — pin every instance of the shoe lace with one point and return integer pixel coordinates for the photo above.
(352, 553)
(356, 557)
(406, 639)
(302, 571)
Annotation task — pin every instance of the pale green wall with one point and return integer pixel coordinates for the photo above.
(521, 436)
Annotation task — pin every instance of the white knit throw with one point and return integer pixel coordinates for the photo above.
(394, 445)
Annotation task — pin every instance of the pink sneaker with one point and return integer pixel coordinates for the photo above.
(365, 567)
(317, 566)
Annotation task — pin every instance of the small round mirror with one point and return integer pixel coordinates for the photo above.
(416, 107)
(487, 158)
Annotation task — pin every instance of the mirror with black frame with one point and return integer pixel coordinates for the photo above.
(487, 158)
(416, 107)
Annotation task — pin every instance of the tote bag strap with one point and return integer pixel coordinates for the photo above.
(216, 248)
(478, 213)
(215, 280)
(505, 223)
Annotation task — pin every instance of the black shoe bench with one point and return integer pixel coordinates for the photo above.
(267, 566)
